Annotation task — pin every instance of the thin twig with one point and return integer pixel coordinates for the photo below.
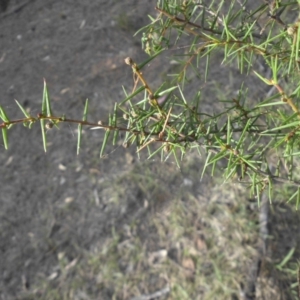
(139, 74)
(154, 295)
(250, 288)
(16, 9)
(220, 21)
(287, 99)
(186, 22)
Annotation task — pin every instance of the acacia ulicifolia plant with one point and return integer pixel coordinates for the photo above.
(168, 122)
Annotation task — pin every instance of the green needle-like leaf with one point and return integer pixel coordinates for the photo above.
(5, 138)
(286, 258)
(46, 101)
(114, 122)
(84, 118)
(298, 199)
(139, 90)
(228, 130)
(265, 80)
(141, 65)
(44, 137)
(105, 139)
(3, 115)
(22, 109)
(297, 43)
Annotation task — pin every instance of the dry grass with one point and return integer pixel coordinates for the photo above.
(195, 239)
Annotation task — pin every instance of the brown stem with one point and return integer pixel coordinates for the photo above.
(182, 21)
(139, 74)
(287, 99)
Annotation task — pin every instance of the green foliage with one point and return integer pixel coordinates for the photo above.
(168, 121)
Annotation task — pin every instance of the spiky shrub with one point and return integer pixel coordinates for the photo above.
(170, 121)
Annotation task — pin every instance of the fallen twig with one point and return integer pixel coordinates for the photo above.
(154, 295)
(250, 287)
(16, 9)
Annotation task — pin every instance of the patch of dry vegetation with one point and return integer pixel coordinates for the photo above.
(181, 239)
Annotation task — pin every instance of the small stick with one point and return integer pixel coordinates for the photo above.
(165, 124)
(154, 295)
(287, 99)
(16, 9)
(139, 74)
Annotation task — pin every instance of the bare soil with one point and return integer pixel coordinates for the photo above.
(79, 48)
